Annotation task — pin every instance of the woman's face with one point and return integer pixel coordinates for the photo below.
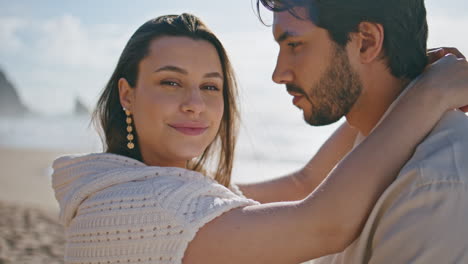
(177, 104)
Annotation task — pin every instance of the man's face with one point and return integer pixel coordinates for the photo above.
(315, 70)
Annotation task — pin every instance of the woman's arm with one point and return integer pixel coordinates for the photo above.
(332, 216)
(297, 185)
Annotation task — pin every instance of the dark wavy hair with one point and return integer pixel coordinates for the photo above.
(109, 117)
(404, 23)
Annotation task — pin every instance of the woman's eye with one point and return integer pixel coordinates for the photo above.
(210, 88)
(170, 83)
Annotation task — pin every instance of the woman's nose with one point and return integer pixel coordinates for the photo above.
(194, 102)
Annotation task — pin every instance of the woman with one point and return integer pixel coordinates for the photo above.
(168, 115)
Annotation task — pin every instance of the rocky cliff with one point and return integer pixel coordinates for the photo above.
(10, 103)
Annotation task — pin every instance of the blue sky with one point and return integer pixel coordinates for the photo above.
(55, 51)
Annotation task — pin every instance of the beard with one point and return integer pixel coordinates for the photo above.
(333, 96)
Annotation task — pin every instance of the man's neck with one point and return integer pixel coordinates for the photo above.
(377, 96)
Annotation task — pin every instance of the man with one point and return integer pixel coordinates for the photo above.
(354, 58)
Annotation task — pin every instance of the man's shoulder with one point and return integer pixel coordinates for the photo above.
(452, 128)
(427, 189)
(442, 156)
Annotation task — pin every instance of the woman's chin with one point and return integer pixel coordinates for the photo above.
(190, 154)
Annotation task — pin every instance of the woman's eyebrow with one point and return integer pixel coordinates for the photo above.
(214, 75)
(172, 68)
(177, 69)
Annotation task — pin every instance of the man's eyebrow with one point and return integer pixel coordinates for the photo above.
(172, 68)
(285, 35)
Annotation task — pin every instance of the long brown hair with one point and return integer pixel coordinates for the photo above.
(109, 117)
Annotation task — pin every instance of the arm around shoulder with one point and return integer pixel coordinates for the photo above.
(270, 233)
(333, 215)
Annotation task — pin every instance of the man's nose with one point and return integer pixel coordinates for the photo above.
(282, 73)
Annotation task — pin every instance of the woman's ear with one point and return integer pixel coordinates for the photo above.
(371, 37)
(126, 94)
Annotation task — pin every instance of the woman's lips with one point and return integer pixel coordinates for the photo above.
(190, 129)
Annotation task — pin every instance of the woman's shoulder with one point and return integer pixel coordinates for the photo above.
(181, 197)
(84, 181)
(85, 158)
(192, 197)
(133, 202)
(175, 185)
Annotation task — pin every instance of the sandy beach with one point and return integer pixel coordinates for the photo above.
(29, 228)
(25, 177)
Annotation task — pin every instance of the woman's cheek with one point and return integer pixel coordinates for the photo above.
(219, 111)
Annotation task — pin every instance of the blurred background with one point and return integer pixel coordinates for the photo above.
(56, 56)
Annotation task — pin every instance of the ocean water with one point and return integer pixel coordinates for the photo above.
(66, 132)
(271, 143)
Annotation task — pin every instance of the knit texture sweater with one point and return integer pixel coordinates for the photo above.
(118, 210)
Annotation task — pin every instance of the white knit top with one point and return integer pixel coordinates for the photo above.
(118, 210)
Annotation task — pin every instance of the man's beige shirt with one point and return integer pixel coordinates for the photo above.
(423, 216)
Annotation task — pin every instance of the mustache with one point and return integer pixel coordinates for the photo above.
(295, 89)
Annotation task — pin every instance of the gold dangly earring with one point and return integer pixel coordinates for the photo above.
(130, 137)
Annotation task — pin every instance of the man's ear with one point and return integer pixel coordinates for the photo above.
(126, 94)
(371, 38)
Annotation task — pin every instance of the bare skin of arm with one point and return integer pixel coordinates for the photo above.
(331, 217)
(299, 184)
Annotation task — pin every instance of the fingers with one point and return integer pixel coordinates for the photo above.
(450, 57)
(448, 60)
(455, 52)
(435, 52)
